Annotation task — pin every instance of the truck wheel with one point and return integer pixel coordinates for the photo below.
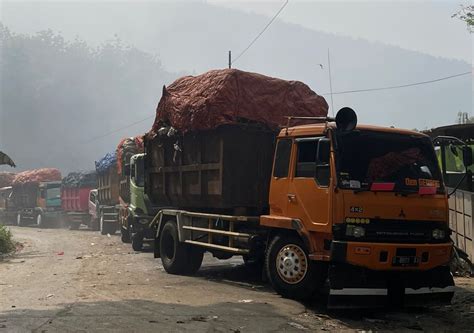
(177, 257)
(102, 225)
(137, 241)
(125, 235)
(19, 221)
(289, 269)
(94, 225)
(40, 223)
(74, 225)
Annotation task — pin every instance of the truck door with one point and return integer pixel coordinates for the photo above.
(280, 179)
(309, 184)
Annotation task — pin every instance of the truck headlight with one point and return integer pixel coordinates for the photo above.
(355, 231)
(438, 234)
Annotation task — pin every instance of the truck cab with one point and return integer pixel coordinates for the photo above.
(39, 204)
(371, 204)
(7, 212)
(135, 219)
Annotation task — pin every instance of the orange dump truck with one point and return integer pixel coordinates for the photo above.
(359, 212)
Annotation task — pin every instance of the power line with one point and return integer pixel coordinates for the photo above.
(118, 129)
(399, 86)
(261, 32)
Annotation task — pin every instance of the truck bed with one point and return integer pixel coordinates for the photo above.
(224, 170)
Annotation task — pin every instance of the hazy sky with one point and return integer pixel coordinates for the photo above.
(424, 26)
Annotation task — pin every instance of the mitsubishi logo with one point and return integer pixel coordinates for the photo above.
(402, 214)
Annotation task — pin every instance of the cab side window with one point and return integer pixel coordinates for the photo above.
(306, 162)
(282, 158)
(313, 160)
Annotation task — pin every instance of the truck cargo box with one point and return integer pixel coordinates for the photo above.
(75, 199)
(108, 186)
(226, 169)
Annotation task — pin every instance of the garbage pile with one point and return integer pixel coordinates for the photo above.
(6, 179)
(231, 96)
(106, 162)
(80, 180)
(126, 149)
(37, 176)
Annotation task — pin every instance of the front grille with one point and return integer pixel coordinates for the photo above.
(395, 231)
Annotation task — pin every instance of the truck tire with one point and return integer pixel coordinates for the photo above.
(137, 241)
(19, 220)
(94, 225)
(40, 220)
(177, 257)
(74, 225)
(102, 225)
(289, 269)
(125, 235)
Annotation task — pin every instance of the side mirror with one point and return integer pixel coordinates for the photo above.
(323, 151)
(467, 156)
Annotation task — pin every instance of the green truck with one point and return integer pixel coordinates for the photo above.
(134, 215)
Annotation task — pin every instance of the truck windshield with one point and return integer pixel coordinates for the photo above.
(404, 161)
(53, 193)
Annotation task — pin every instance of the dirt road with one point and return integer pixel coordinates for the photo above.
(74, 281)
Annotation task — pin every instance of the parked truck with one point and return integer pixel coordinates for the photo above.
(75, 199)
(107, 199)
(361, 212)
(7, 210)
(452, 143)
(134, 217)
(36, 195)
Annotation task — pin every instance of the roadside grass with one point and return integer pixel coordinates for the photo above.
(7, 244)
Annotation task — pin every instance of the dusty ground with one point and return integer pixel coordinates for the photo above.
(81, 281)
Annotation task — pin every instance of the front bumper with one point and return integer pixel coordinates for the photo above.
(357, 287)
(390, 256)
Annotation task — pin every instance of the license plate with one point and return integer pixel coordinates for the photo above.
(405, 261)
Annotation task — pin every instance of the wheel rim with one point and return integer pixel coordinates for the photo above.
(18, 219)
(101, 223)
(38, 219)
(291, 264)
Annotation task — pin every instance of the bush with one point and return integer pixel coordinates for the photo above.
(6, 242)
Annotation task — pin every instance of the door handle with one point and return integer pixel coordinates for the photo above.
(291, 197)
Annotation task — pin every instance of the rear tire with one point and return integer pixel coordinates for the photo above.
(40, 221)
(74, 225)
(137, 241)
(177, 257)
(19, 220)
(289, 269)
(102, 225)
(125, 235)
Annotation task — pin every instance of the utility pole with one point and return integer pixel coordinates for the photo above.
(330, 83)
(230, 59)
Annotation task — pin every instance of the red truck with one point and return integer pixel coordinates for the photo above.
(75, 193)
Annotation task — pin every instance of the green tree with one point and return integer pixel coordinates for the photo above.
(466, 14)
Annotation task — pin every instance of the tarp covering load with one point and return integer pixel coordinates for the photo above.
(6, 179)
(230, 96)
(106, 162)
(80, 179)
(37, 176)
(126, 149)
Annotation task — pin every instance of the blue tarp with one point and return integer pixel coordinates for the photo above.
(106, 162)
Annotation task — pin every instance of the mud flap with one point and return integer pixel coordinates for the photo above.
(356, 287)
(433, 287)
(352, 287)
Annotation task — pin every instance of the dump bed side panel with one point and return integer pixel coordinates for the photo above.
(108, 187)
(219, 170)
